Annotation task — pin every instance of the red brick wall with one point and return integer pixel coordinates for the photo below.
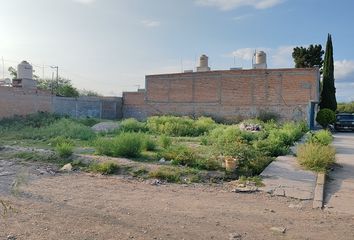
(227, 94)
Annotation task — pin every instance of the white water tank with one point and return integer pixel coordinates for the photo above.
(203, 64)
(24, 70)
(260, 60)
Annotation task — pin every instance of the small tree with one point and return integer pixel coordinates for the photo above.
(325, 117)
(62, 87)
(308, 57)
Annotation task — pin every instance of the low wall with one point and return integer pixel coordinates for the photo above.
(16, 101)
(96, 107)
(19, 101)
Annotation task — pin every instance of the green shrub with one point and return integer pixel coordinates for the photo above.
(149, 144)
(204, 125)
(88, 121)
(180, 155)
(169, 174)
(316, 157)
(126, 144)
(104, 168)
(165, 141)
(104, 146)
(180, 126)
(325, 117)
(64, 149)
(132, 125)
(35, 120)
(64, 127)
(323, 137)
(266, 116)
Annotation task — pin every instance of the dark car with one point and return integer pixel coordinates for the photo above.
(344, 121)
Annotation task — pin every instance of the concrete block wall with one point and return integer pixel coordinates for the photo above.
(226, 94)
(19, 101)
(96, 107)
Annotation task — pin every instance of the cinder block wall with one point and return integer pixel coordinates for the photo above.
(226, 94)
(19, 101)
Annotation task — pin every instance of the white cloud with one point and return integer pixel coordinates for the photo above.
(242, 17)
(344, 69)
(226, 5)
(282, 56)
(84, 1)
(151, 23)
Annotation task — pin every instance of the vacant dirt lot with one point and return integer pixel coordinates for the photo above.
(86, 206)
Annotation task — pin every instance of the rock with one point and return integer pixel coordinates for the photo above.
(11, 237)
(156, 182)
(162, 160)
(235, 236)
(248, 189)
(278, 229)
(105, 127)
(67, 168)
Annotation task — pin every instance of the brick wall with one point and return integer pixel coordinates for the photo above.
(226, 94)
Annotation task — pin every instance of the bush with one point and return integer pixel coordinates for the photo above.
(35, 120)
(180, 126)
(325, 117)
(125, 144)
(165, 141)
(88, 121)
(169, 174)
(104, 168)
(323, 137)
(149, 144)
(180, 155)
(175, 174)
(64, 149)
(316, 157)
(132, 125)
(64, 127)
(268, 116)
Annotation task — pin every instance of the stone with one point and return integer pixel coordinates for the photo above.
(248, 189)
(235, 236)
(11, 237)
(162, 160)
(278, 229)
(295, 206)
(67, 168)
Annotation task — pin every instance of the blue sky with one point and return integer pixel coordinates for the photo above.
(110, 45)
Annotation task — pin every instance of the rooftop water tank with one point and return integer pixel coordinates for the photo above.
(24, 70)
(260, 61)
(203, 64)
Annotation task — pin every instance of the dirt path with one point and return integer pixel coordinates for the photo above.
(340, 186)
(84, 206)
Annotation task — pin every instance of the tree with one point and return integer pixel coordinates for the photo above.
(13, 72)
(328, 94)
(308, 57)
(63, 87)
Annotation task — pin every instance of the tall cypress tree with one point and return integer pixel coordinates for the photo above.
(328, 95)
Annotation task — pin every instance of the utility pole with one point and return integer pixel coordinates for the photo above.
(57, 78)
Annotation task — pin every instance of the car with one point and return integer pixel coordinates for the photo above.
(344, 121)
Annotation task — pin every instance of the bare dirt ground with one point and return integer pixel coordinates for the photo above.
(86, 206)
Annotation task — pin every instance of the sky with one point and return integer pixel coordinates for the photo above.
(110, 45)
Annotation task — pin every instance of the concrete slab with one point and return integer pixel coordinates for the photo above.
(339, 190)
(285, 177)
